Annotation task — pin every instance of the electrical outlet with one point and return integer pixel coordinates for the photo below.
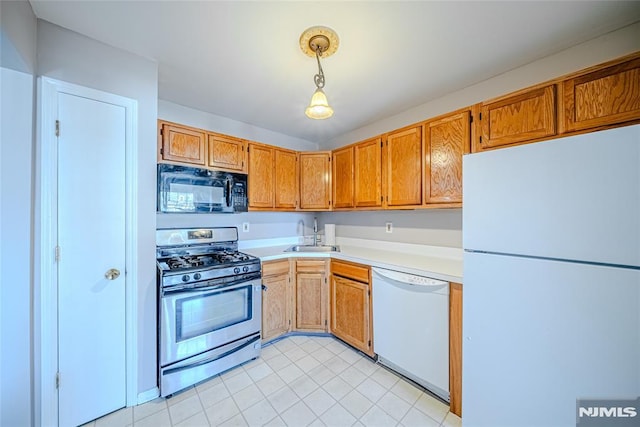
(245, 227)
(389, 227)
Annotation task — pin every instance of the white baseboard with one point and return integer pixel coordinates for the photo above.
(148, 395)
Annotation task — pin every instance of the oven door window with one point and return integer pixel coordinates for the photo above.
(205, 313)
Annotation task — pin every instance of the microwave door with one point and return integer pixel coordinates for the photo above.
(189, 194)
(209, 199)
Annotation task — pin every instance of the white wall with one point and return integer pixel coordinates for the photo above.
(74, 58)
(15, 253)
(434, 227)
(610, 46)
(262, 225)
(196, 118)
(17, 101)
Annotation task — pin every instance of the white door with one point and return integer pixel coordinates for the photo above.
(91, 238)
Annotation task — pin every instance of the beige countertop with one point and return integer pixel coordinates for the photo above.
(431, 261)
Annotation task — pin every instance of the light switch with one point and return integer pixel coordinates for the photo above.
(245, 227)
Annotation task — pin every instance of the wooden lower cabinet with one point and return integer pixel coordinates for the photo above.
(311, 295)
(276, 299)
(455, 348)
(350, 304)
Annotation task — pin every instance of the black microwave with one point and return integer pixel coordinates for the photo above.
(184, 189)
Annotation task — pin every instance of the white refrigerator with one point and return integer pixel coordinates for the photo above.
(551, 296)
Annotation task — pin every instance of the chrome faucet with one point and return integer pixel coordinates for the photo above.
(315, 231)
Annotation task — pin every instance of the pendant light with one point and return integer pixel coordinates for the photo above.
(319, 41)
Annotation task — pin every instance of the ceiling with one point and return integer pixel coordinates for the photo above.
(242, 60)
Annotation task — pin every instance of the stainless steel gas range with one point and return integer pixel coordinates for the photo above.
(209, 305)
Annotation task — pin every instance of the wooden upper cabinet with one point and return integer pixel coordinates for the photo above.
(518, 118)
(286, 179)
(342, 176)
(404, 167)
(182, 144)
(315, 180)
(260, 176)
(226, 152)
(446, 140)
(603, 97)
(368, 173)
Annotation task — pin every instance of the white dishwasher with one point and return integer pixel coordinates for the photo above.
(411, 327)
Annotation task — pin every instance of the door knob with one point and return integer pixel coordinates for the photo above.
(112, 274)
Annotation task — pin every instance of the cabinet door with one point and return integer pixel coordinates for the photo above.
(286, 179)
(404, 167)
(367, 169)
(311, 295)
(603, 97)
(182, 144)
(227, 153)
(446, 140)
(310, 304)
(260, 176)
(276, 312)
(343, 178)
(350, 312)
(518, 118)
(315, 180)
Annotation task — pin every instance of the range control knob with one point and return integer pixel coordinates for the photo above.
(197, 276)
(245, 268)
(236, 270)
(185, 278)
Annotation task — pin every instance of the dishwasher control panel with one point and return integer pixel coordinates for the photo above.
(411, 279)
(426, 281)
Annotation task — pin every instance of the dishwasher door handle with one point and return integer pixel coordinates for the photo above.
(409, 279)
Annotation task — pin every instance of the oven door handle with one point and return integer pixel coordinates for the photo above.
(212, 359)
(190, 289)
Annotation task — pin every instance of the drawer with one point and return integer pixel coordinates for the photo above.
(310, 265)
(352, 271)
(275, 268)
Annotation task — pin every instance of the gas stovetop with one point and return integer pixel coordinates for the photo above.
(187, 256)
(203, 261)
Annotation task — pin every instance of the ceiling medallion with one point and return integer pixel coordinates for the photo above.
(323, 38)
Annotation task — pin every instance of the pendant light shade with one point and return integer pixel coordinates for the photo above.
(319, 41)
(319, 107)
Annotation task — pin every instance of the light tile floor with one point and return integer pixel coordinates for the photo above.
(298, 381)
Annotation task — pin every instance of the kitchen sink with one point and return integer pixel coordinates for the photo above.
(313, 248)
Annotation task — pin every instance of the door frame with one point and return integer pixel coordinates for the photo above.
(45, 304)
